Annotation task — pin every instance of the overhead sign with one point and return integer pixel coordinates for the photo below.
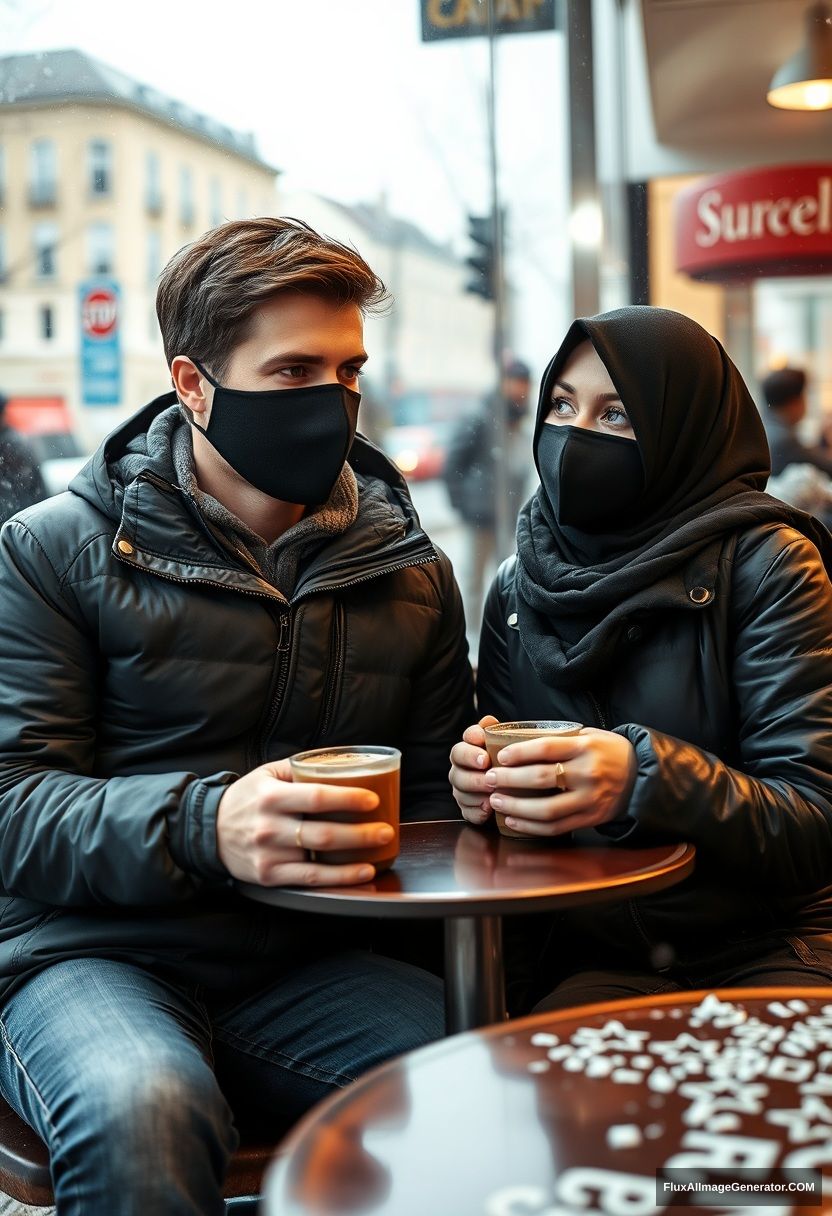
(758, 223)
(469, 18)
(100, 307)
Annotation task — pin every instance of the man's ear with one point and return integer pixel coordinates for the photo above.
(192, 389)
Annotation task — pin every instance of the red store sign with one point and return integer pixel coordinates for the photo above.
(763, 222)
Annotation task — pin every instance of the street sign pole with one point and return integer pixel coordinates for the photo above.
(504, 514)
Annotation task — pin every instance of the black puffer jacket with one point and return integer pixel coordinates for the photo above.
(141, 670)
(729, 707)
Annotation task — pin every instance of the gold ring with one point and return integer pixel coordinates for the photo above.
(559, 774)
(298, 831)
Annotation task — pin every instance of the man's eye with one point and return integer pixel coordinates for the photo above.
(353, 372)
(293, 373)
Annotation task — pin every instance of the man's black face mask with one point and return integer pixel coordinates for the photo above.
(291, 443)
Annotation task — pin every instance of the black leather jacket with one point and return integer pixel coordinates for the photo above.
(729, 709)
(142, 669)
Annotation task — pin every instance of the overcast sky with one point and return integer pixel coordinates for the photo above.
(345, 100)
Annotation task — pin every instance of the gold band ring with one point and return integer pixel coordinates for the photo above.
(298, 831)
(559, 776)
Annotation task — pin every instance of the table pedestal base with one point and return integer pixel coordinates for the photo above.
(474, 980)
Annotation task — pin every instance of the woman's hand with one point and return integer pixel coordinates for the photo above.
(595, 770)
(469, 761)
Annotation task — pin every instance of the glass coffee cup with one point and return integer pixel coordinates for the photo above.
(501, 734)
(366, 767)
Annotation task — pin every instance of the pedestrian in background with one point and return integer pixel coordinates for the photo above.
(20, 481)
(471, 474)
(785, 394)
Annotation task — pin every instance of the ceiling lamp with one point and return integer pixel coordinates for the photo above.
(804, 82)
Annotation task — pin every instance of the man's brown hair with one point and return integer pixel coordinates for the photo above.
(210, 288)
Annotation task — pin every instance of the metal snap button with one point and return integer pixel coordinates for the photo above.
(125, 547)
(511, 620)
(634, 633)
(700, 595)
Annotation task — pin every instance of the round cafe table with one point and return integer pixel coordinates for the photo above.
(607, 1109)
(471, 877)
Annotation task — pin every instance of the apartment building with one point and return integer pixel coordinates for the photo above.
(102, 179)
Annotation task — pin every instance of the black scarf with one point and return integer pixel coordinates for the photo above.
(706, 464)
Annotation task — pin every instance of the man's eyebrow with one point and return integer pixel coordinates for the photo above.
(603, 396)
(296, 356)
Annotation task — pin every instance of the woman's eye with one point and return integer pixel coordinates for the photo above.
(561, 408)
(293, 373)
(354, 372)
(616, 417)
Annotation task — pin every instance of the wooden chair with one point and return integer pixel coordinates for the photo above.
(24, 1166)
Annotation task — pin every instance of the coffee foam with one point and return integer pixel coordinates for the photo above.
(363, 760)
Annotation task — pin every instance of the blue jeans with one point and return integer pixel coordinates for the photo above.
(132, 1082)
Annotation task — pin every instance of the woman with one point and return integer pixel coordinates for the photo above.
(661, 598)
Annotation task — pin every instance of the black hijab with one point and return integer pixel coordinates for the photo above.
(706, 464)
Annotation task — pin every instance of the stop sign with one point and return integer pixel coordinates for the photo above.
(99, 312)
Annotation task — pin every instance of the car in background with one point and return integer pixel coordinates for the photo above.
(44, 423)
(418, 451)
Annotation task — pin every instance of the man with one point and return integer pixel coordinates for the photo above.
(20, 481)
(470, 473)
(785, 394)
(221, 587)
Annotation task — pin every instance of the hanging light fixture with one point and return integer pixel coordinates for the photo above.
(804, 82)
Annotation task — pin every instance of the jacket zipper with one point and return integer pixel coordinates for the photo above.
(277, 700)
(334, 668)
(599, 713)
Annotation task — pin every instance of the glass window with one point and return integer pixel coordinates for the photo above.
(215, 204)
(154, 255)
(101, 167)
(186, 196)
(100, 249)
(153, 183)
(46, 241)
(43, 173)
(47, 322)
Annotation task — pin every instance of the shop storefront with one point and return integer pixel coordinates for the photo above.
(749, 254)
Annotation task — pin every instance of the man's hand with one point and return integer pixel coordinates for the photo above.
(257, 829)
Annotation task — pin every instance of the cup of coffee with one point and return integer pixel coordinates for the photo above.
(501, 734)
(367, 767)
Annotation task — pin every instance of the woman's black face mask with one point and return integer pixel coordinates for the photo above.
(592, 481)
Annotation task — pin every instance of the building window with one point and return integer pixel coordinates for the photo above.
(101, 167)
(215, 204)
(46, 241)
(43, 173)
(153, 183)
(47, 322)
(154, 255)
(186, 196)
(100, 249)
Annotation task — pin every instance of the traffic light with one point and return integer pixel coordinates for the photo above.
(482, 260)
